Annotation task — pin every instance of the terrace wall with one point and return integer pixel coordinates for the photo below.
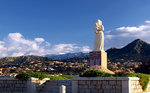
(107, 85)
(77, 85)
(13, 85)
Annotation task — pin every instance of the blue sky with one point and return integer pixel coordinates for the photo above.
(63, 26)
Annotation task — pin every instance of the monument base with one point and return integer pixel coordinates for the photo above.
(100, 68)
(98, 61)
(98, 58)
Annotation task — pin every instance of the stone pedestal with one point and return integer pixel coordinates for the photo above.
(98, 58)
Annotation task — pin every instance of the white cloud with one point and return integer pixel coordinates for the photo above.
(68, 48)
(123, 35)
(39, 40)
(147, 21)
(85, 49)
(16, 45)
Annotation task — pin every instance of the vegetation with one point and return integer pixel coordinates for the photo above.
(29, 74)
(95, 73)
(144, 67)
(144, 78)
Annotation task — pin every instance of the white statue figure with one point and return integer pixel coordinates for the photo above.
(99, 38)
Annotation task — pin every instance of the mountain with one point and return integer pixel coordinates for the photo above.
(137, 50)
(21, 59)
(68, 55)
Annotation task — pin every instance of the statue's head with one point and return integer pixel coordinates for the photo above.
(98, 26)
(99, 22)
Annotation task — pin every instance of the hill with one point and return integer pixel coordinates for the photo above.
(71, 57)
(21, 59)
(137, 50)
(68, 55)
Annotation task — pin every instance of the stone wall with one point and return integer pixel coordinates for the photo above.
(13, 85)
(107, 85)
(52, 86)
(33, 85)
(76, 85)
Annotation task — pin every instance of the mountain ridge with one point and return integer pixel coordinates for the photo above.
(21, 59)
(136, 51)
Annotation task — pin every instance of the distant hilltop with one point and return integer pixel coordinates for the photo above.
(21, 59)
(136, 51)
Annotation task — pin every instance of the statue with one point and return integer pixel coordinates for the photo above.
(99, 38)
(98, 57)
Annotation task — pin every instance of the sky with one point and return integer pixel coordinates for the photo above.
(42, 27)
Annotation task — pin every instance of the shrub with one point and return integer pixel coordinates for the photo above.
(29, 74)
(95, 73)
(120, 74)
(23, 76)
(56, 77)
(144, 79)
(67, 76)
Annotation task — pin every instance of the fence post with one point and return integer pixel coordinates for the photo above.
(62, 89)
(31, 86)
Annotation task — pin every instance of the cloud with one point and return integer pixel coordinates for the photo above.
(64, 48)
(40, 40)
(85, 49)
(147, 21)
(16, 45)
(123, 35)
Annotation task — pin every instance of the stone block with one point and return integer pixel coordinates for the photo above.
(85, 86)
(82, 82)
(74, 86)
(81, 91)
(80, 86)
(105, 82)
(100, 91)
(119, 82)
(108, 87)
(103, 86)
(88, 82)
(110, 78)
(92, 87)
(99, 82)
(113, 91)
(94, 91)
(118, 91)
(112, 82)
(98, 87)
(125, 86)
(98, 55)
(87, 90)
(118, 87)
(93, 82)
(106, 91)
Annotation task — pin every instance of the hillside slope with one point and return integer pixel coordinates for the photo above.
(137, 50)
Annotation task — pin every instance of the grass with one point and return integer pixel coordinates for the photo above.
(29, 74)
